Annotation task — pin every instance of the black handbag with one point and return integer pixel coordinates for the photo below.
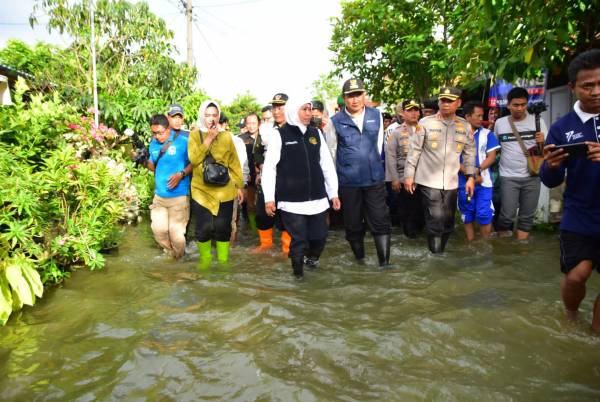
(214, 173)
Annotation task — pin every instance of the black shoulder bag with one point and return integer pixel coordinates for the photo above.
(213, 173)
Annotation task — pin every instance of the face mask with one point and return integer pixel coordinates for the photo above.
(316, 121)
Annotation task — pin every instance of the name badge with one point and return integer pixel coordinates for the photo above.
(291, 142)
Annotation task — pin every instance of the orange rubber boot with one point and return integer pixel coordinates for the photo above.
(266, 241)
(286, 239)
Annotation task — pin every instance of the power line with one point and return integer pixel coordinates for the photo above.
(232, 4)
(221, 20)
(207, 43)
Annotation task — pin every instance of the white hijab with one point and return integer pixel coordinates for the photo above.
(201, 123)
(292, 108)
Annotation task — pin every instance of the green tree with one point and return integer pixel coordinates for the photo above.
(400, 48)
(511, 39)
(240, 107)
(137, 75)
(403, 48)
(326, 88)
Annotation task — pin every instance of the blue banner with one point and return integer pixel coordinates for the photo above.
(499, 90)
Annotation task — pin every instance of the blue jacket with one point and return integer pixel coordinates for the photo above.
(582, 194)
(358, 159)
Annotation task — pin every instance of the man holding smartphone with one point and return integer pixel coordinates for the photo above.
(580, 224)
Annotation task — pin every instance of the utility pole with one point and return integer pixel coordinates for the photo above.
(94, 78)
(189, 18)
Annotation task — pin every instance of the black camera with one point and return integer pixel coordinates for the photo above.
(141, 153)
(537, 108)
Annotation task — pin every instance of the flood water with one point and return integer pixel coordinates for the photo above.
(482, 323)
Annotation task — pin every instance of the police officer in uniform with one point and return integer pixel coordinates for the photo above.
(433, 163)
(361, 173)
(264, 222)
(408, 205)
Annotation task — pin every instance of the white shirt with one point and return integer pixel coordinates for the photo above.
(240, 148)
(358, 120)
(269, 179)
(584, 116)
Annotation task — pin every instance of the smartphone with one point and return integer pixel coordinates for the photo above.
(576, 149)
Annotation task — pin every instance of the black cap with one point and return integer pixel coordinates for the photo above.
(279, 99)
(450, 93)
(242, 123)
(431, 103)
(410, 104)
(386, 115)
(223, 118)
(175, 109)
(317, 104)
(353, 85)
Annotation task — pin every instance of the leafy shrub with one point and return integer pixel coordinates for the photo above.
(67, 185)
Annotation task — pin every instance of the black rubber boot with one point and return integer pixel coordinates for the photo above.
(298, 266)
(435, 244)
(311, 262)
(358, 248)
(445, 238)
(315, 248)
(382, 245)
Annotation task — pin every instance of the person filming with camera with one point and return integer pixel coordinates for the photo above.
(169, 212)
(520, 140)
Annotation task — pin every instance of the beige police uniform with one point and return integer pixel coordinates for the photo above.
(434, 153)
(396, 150)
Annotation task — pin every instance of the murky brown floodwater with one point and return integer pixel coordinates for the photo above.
(482, 323)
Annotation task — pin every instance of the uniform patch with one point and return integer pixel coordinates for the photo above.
(172, 150)
(434, 145)
(459, 147)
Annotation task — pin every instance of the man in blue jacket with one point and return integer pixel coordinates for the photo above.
(580, 224)
(361, 173)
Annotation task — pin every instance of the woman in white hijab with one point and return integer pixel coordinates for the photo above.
(212, 204)
(300, 176)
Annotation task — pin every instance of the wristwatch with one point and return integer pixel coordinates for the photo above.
(182, 173)
(470, 176)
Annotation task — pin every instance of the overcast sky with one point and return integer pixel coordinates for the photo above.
(260, 46)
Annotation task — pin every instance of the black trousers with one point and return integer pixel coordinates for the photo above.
(362, 204)
(263, 221)
(440, 208)
(410, 212)
(308, 233)
(213, 227)
(392, 201)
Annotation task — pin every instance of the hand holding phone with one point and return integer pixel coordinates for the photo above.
(578, 149)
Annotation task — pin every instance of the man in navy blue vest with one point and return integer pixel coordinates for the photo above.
(361, 173)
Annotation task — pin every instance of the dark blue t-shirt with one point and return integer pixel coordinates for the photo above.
(582, 194)
(174, 160)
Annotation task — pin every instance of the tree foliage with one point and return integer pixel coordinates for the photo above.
(241, 106)
(326, 88)
(404, 48)
(137, 75)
